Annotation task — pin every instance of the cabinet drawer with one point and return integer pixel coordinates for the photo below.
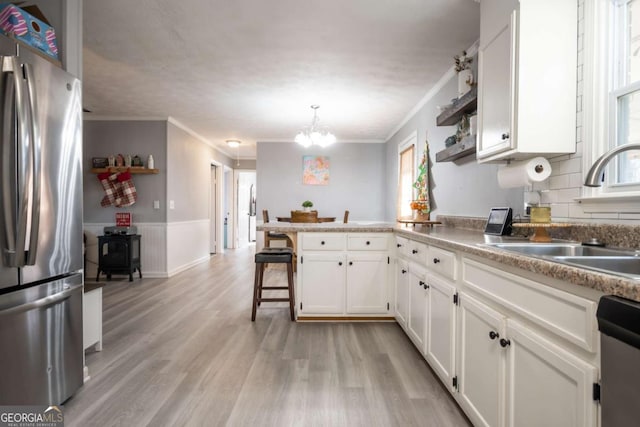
(367, 242)
(323, 241)
(402, 246)
(417, 252)
(568, 316)
(442, 262)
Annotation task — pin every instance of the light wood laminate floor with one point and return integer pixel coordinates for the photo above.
(183, 351)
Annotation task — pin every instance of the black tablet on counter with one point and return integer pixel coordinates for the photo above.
(499, 222)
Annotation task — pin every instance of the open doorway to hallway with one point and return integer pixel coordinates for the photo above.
(246, 207)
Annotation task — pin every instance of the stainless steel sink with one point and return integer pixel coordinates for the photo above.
(628, 266)
(559, 249)
(620, 262)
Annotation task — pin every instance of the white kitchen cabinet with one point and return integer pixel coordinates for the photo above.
(546, 385)
(402, 292)
(323, 289)
(441, 328)
(367, 282)
(512, 368)
(92, 319)
(481, 362)
(527, 79)
(343, 274)
(417, 319)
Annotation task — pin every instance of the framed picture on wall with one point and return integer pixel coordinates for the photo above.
(315, 170)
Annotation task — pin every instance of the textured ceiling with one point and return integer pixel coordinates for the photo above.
(250, 69)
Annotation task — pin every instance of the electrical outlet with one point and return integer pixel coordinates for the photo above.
(172, 204)
(156, 204)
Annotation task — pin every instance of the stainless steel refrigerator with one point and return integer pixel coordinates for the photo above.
(41, 351)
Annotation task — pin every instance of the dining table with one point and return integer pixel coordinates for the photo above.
(320, 219)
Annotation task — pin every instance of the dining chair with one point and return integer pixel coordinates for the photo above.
(270, 236)
(346, 217)
(301, 216)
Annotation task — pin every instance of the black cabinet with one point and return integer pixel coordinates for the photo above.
(119, 254)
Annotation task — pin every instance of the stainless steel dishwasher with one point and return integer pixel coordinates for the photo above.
(619, 325)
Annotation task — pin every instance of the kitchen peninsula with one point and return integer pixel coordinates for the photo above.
(343, 270)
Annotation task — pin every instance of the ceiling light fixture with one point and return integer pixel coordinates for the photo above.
(235, 143)
(315, 134)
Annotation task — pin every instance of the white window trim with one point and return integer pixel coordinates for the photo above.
(411, 140)
(597, 106)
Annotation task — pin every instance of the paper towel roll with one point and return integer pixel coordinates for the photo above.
(520, 174)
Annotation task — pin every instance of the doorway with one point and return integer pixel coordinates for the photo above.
(213, 211)
(246, 208)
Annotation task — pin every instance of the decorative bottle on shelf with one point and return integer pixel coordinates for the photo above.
(150, 164)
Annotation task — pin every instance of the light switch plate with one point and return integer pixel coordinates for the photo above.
(172, 204)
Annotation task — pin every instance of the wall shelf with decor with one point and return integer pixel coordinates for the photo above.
(463, 148)
(466, 104)
(132, 169)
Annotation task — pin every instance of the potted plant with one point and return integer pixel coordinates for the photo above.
(307, 205)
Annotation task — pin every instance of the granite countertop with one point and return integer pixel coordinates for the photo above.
(468, 241)
(364, 227)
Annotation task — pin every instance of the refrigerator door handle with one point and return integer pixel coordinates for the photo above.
(14, 252)
(36, 165)
(42, 302)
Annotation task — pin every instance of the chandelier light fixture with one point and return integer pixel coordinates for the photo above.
(315, 134)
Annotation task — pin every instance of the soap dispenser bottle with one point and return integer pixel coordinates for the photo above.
(150, 164)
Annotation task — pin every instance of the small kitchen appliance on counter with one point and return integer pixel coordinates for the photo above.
(499, 222)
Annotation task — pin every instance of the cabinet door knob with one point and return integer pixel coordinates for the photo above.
(322, 242)
(436, 260)
(414, 251)
(425, 286)
(350, 262)
(404, 271)
(398, 245)
(504, 343)
(368, 242)
(421, 283)
(340, 263)
(493, 335)
(505, 136)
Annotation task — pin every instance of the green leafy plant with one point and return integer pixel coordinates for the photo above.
(307, 204)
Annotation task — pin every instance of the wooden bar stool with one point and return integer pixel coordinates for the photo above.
(273, 256)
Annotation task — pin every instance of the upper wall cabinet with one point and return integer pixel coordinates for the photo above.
(527, 78)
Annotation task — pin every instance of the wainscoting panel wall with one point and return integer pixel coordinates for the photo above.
(187, 244)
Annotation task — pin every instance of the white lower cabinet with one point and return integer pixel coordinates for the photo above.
(510, 375)
(324, 283)
(481, 362)
(417, 320)
(402, 292)
(367, 283)
(343, 273)
(513, 351)
(546, 385)
(441, 328)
